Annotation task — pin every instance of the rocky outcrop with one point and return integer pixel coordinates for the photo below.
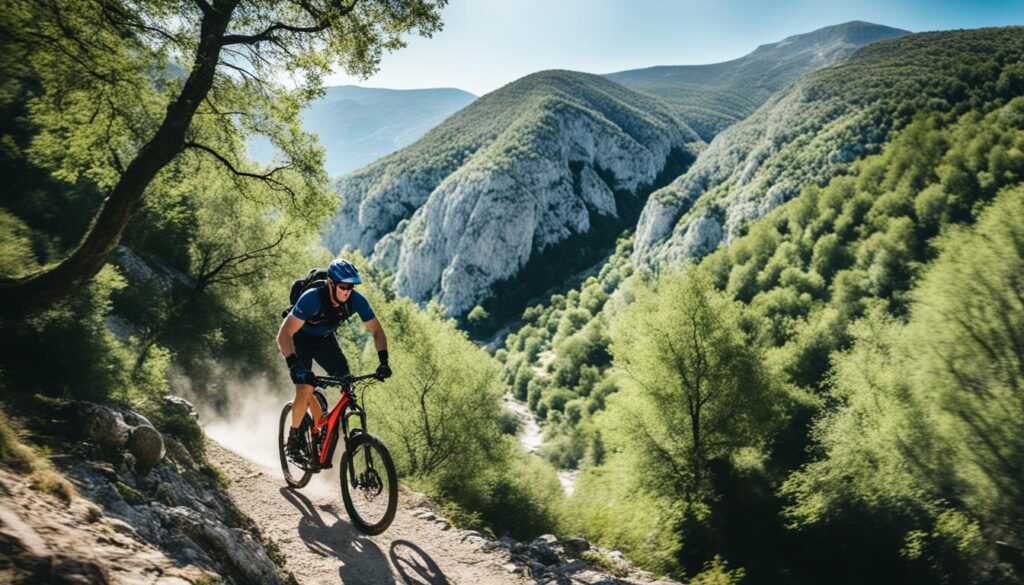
(520, 170)
(150, 505)
(732, 179)
(549, 559)
(482, 225)
(45, 540)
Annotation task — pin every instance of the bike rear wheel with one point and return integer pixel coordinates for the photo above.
(369, 484)
(295, 475)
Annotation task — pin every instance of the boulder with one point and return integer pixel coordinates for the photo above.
(543, 551)
(106, 427)
(574, 547)
(147, 445)
(115, 429)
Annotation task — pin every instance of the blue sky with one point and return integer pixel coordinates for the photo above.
(488, 43)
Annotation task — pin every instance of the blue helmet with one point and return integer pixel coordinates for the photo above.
(341, 270)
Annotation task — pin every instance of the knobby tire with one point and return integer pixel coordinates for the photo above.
(293, 481)
(380, 461)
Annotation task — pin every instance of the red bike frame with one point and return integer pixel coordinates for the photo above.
(343, 410)
(331, 420)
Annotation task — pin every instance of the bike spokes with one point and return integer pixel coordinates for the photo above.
(369, 485)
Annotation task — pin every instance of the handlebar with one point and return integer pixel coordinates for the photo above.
(325, 381)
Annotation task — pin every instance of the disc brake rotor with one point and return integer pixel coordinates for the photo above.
(369, 483)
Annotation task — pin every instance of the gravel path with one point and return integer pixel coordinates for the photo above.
(313, 532)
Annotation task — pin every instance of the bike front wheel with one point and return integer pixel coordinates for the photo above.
(369, 484)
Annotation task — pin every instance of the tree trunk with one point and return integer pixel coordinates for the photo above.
(22, 296)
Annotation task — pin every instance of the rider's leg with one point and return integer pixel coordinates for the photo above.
(305, 346)
(328, 354)
(303, 393)
(330, 357)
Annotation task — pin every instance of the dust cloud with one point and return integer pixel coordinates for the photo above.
(243, 415)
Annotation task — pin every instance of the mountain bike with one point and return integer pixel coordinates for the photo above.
(369, 484)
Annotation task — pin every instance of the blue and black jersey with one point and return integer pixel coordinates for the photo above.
(322, 318)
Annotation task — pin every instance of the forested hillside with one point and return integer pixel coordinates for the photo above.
(805, 367)
(710, 98)
(192, 294)
(358, 125)
(868, 435)
(549, 157)
(814, 130)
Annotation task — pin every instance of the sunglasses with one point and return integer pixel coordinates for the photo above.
(345, 286)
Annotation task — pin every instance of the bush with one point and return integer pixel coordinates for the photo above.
(81, 357)
(716, 572)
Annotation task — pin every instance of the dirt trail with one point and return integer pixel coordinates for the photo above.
(312, 530)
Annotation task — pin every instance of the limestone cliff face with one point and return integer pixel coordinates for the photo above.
(518, 171)
(802, 136)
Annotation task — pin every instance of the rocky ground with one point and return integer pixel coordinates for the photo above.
(144, 512)
(44, 540)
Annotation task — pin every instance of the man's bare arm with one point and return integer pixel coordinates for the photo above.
(289, 327)
(380, 341)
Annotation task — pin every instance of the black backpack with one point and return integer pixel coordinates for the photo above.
(317, 278)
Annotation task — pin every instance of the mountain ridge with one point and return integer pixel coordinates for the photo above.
(813, 131)
(527, 165)
(358, 125)
(713, 96)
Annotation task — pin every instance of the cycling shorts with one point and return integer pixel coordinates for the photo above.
(322, 349)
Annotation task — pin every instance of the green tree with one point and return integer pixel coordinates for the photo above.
(441, 411)
(925, 444)
(127, 87)
(968, 335)
(699, 389)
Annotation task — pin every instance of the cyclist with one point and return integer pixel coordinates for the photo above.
(308, 333)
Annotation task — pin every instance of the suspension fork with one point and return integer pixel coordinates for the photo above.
(352, 410)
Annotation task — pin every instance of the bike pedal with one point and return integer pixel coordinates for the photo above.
(327, 465)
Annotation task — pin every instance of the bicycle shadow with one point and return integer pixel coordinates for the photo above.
(362, 560)
(406, 557)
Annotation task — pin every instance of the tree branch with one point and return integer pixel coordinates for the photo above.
(267, 177)
(269, 33)
(205, 8)
(210, 276)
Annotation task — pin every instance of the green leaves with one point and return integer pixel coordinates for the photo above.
(697, 388)
(927, 433)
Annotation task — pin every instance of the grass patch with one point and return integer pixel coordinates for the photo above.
(181, 426)
(129, 494)
(216, 474)
(22, 459)
(464, 519)
(605, 563)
